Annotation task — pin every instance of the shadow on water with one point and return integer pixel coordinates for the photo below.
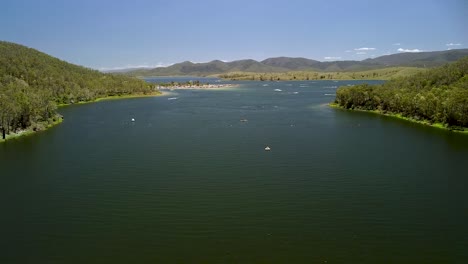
(456, 141)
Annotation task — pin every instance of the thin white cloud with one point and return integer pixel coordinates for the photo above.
(365, 49)
(130, 66)
(361, 53)
(453, 44)
(396, 44)
(409, 50)
(332, 58)
(348, 51)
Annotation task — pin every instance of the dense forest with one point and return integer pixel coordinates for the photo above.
(33, 83)
(439, 95)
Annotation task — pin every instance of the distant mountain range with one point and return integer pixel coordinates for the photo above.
(287, 64)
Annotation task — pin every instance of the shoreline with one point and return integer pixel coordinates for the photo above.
(161, 91)
(281, 80)
(197, 87)
(304, 80)
(385, 73)
(114, 97)
(30, 131)
(401, 117)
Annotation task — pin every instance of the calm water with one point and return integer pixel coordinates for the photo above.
(187, 182)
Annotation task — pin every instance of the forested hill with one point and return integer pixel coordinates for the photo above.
(438, 95)
(286, 64)
(32, 83)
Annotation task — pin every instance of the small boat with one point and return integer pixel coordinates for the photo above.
(295, 92)
(278, 90)
(133, 119)
(267, 148)
(172, 98)
(244, 120)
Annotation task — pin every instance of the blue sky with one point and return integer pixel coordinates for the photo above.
(107, 34)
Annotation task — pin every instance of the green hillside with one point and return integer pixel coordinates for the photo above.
(437, 96)
(32, 83)
(420, 59)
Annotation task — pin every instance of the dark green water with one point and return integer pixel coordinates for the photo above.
(187, 182)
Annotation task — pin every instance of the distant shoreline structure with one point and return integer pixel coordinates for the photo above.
(194, 86)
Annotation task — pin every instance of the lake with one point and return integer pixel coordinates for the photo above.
(189, 182)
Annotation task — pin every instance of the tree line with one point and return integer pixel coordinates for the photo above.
(439, 95)
(377, 74)
(33, 83)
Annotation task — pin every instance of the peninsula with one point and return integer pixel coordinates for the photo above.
(436, 97)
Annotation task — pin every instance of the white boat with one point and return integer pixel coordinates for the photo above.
(172, 98)
(267, 148)
(278, 90)
(133, 119)
(244, 120)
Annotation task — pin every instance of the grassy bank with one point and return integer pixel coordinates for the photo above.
(377, 74)
(401, 117)
(41, 126)
(115, 97)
